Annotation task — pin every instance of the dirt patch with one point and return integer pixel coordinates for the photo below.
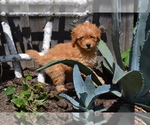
(52, 103)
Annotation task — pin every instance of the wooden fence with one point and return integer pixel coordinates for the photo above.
(27, 31)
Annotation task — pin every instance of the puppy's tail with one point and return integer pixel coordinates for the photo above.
(35, 56)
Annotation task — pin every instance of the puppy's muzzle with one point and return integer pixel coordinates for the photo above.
(88, 46)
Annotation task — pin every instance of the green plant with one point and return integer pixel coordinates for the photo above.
(125, 57)
(134, 84)
(86, 91)
(30, 98)
(84, 69)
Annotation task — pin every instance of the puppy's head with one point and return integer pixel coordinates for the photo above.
(85, 35)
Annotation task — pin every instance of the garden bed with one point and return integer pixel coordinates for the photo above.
(53, 103)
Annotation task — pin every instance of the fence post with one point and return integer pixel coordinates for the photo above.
(11, 46)
(46, 46)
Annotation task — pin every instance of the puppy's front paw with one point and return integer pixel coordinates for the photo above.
(61, 88)
(101, 80)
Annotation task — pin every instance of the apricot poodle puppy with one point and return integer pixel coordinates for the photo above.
(82, 48)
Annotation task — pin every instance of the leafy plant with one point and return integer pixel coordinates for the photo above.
(134, 84)
(86, 91)
(30, 98)
(125, 57)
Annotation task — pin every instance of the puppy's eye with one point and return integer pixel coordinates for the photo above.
(92, 37)
(81, 38)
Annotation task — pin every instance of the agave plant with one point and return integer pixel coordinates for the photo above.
(135, 83)
(84, 69)
(86, 91)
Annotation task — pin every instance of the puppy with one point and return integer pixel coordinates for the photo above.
(82, 48)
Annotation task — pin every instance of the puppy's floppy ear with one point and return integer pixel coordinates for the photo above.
(98, 35)
(73, 37)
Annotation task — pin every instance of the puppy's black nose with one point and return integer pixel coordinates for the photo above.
(88, 45)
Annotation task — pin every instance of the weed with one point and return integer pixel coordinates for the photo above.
(30, 98)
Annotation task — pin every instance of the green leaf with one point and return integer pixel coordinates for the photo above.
(131, 83)
(24, 93)
(57, 96)
(89, 92)
(84, 69)
(126, 56)
(118, 74)
(126, 53)
(86, 91)
(42, 97)
(97, 92)
(19, 101)
(72, 101)
(24, 86)
(145, 65)
(74, 25)
(28, 78)
(31, 97)
(102, 47)
(116, 20)
(9, 91)
(78, 83)
(138, 41)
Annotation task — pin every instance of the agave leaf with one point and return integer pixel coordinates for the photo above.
(84, 69)
(118, 74)
(102, 47)
(89, 92)
(144, 106)
(131, 85)
(140, 35)
(72, 101)
(138, 41)
(98, 91)
(145, 65)
(116, 93)
(124, 109)
(143, 99)
(89, 85)
(116, 19)
(84, 90)
(79, 84)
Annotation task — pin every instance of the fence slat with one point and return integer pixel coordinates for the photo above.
(46, 46)
(11, 46)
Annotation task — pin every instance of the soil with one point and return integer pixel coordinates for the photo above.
(53, 103)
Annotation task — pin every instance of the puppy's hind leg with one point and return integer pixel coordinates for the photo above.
(57, 75)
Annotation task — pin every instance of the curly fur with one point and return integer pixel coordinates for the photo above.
(82, 48)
